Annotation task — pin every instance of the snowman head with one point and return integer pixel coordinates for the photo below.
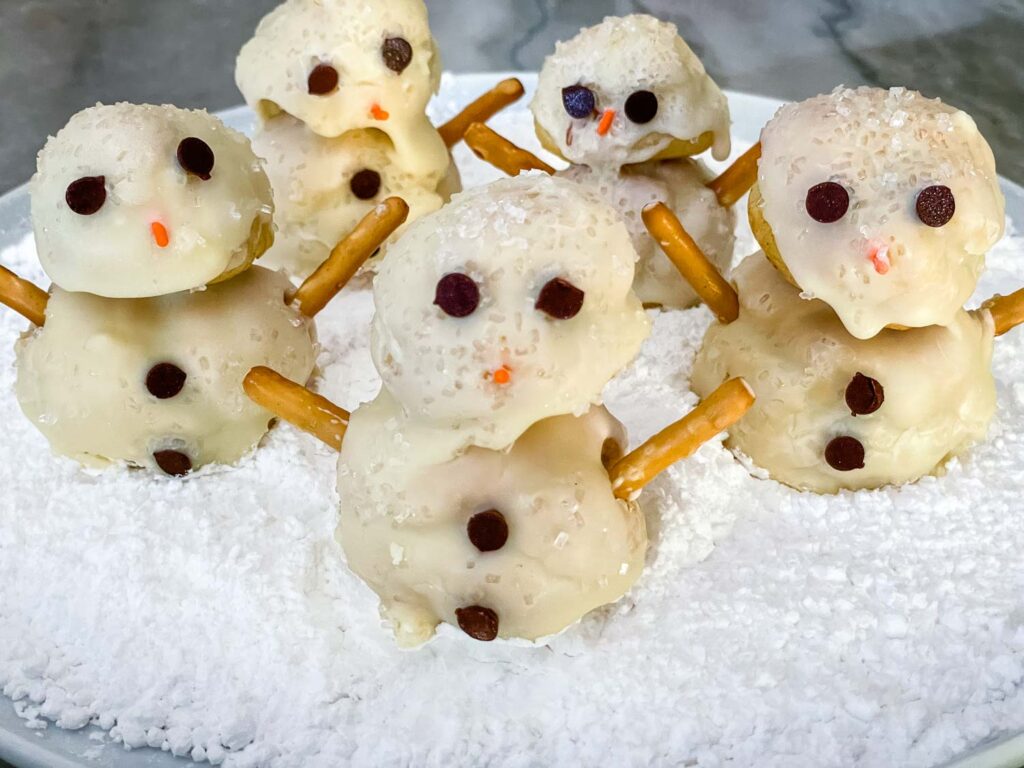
(625, 91)
(339, 65)
(882, 203)
(509, 305)
(138, 200)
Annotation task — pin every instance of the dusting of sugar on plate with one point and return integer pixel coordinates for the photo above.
(215, 619)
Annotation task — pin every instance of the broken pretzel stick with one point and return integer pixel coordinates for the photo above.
(736, 180)
(717, 412)
(481, 110)
(493, 148)
(707, 282)
(297, 405)
(25, 298)
(349, 255)
(1007, 311)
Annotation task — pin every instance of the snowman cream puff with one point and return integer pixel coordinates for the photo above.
(880, 202)
(131, 201)
(485, 486)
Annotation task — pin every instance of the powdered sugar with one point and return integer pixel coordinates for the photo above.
(214, 618)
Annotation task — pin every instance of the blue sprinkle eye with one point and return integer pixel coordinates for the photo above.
(579, 101)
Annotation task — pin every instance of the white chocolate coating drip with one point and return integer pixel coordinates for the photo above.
(571, 547)
(511, 237)
(82, 377)
(884, 147)
(274, 66)
(680, 184)
(614, 59)
(939, 394)
(312, 176)
(215, 226)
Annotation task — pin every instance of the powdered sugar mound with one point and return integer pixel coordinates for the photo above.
(214, 618)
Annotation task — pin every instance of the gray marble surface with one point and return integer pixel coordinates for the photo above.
(58, 56)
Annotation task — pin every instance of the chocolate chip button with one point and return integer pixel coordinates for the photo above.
(827, 202)
(195, 157)
(642, 107)
(579, 101)
(165, 380)
(173, 463)
(478, 622)
(935, 205)
(457, 295)
(322, 80)
(365, 184)
(397, 54)
(86, 195)
(845, 454)
(864, 395)
(487, 531)
(560, 299)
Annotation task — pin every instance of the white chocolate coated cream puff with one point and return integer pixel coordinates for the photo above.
(157, 382)
(681, 185)
(834, 411)
(511, 304)
(131, 201)
(880, 203)
(628, 90)
(324, 186)
(519, 542)
(344, 65)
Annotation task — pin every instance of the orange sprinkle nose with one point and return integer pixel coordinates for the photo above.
(502, 376)
(879, 256)
(606, 122)
(378, 113)
(160, 234)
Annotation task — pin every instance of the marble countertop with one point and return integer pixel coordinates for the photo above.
(58, 56)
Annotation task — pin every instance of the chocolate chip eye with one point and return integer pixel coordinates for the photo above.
(642, 107)
(195, 157)
(560, 299)
(827, 202)
(864, 395)
(397, 54)
(86, 195)
(578, 101)
(322, 80)
(487, 531)
(366, 184)
(457, 295)
(845, 454)
(173, 463)
(936, 205)
(478, 622)
(165, 380)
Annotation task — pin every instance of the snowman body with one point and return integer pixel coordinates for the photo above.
(340, 90)
(834, 411)
(147, 219)
(474, 490)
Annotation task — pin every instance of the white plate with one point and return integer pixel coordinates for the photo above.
(56, 748)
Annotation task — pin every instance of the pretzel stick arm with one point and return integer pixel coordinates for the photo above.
(297, 405)
(1007, 311)
(349, 255)
(481, 110)
(493, 148)
(736, 180)
(25, 298)
(681, 249)
(717, 412)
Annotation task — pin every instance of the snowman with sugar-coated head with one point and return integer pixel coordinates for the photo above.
(148, 219)
(486, 486)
